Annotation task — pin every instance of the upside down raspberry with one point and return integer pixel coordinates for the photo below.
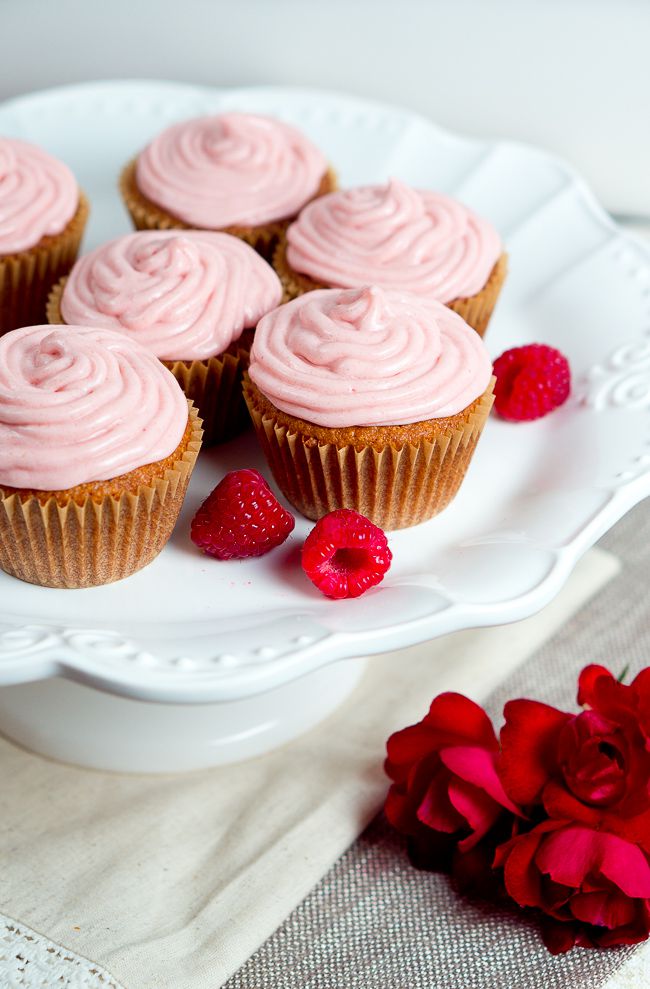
(345, 554)
(242, 517)
(531, 381)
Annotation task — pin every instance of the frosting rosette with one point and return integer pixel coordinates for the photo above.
(232, 169)
(366, 357)
(80, 404)
(38, 195)
(397, 237)
(184, 296)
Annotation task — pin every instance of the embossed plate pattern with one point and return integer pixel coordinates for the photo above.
(536, 497)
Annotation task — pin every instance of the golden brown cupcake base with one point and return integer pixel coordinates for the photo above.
(99, 532)
(146, 215)
(397, 476)
(27, 277)
(214, 385)
(476, 310)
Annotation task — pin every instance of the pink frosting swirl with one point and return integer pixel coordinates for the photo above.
(230, 169)
(368, 357)
(38, 195)
(396, 237)
(184, 296)
(78, 404)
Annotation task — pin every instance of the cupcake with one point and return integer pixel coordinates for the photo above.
(235, 172)
(368, 399)
(42, 220)
(399, 238)
(191, 298)
(96, 450)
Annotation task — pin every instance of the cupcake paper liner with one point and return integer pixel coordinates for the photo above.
(214, 385)
(395, 486)
(27, 277)
(146, 215)
(94, 541)
(476, 310)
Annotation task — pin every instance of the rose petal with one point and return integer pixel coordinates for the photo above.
(633, 933)
(641, 684)
(406, 747)
(633, 829)
(603, 909)
(528, 744)
(562, 805)
(520, 874)
(477, 807)
(431, 850)
(556, 897)
(587, 683)
(452, 719)
(405, 795)
(436, 809)
(627, 935)
(473, 873)
(570, 854)
(558, 937)
(477, 766)
(615, 701)
(395, 808)
(641, 688)
(458, 721)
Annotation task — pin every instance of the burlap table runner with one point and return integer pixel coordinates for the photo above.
(172, 883)
(374, 922)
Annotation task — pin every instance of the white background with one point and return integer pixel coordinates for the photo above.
(570, 75)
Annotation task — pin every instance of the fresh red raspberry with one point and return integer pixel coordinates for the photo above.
(531, 381)
(242, 517)
(345, 554)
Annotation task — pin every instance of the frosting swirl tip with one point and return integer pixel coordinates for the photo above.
(230, 169)
(38, 195)
(368, 356)
(81, 404)
(419, 241)
(185, 295)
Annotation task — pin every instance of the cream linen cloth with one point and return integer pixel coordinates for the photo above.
(173, 882)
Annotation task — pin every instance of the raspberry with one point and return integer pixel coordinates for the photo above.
(242, 517)
(531, 381)
(345, 554)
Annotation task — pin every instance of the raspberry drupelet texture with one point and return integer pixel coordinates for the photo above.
(242, 517)
(345, 554)
(531, 382)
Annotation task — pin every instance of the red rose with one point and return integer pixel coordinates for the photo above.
(595, 884)
(598, 690)
(445, 776)
(557, 816)
(593, 767)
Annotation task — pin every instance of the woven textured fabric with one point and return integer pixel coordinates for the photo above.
(374, 922)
